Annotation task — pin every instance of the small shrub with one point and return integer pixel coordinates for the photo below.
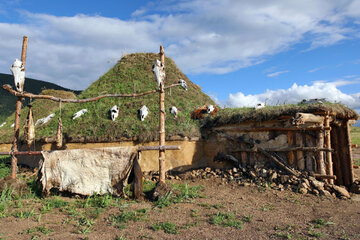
(167, 227)
(226, 220)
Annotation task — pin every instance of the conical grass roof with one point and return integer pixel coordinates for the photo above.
(132, 74)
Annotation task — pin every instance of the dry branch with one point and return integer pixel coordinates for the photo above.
(8, 88)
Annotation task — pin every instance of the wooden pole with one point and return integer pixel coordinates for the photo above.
(320, 155)
(329, 165)
(14, 148)
(309, 142)
(8, 88)
(291, 155)
(349, 162)
(336, 155)
(300, 154)
(162, 122)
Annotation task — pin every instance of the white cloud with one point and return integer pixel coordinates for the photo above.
(315, 69)
(216, 37)
(275, 74)
(297, 93)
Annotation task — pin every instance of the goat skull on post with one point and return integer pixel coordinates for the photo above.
(183, 84)
(159, 72)
(114, 112)
(18, 72)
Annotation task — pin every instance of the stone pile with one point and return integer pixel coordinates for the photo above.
(263, 178)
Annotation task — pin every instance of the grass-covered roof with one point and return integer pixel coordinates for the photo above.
(238, 115)
(133, 73)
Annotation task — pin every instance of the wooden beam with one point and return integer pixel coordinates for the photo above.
(8, 88)
(320, 154)
(302, 118)
(291, 155)
(330, 177)
(288, 149)
(151, 148)
(266, 129)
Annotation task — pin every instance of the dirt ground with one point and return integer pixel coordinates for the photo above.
(264, 214)
(245, 212)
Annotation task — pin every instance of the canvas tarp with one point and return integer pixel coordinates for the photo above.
(87, 171)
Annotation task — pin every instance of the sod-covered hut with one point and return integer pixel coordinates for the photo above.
(311, 137)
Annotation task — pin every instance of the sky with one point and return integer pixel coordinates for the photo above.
(240, 52)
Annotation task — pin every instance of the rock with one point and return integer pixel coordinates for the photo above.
(284, 178)
(207, 169)
(303, 190)
(273, 185)
(341, 191)
(317, 184)
(355, 188)
(306, 182)
(315, 191)
(177, 178)
(325, 192)
(263, 172)
(235, 170)
(273, 176)
(252, 174)
(246, 184)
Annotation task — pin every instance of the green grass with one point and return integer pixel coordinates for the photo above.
(167, 227)
(226, 220)
(119, 220)
(49, 204)
(40, 229)
(236, 115)
(355, 135)
(5, 166)
(179, 193)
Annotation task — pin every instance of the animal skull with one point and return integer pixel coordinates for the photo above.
(44, 120)
(210, 109)
(114, 112)
(159, 72)
(143, 112)
(80, 113)
(183, 84)
(18, 72)
(174, 111)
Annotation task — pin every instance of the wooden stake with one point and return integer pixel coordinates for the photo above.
(329, 165)
(336, 138)
(349, 162)
(320, 155)
(300, 154)
(162, 123)
(291, 155)
(14, 148)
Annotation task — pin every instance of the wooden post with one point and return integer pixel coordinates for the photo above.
(348, 158)
(329, 165)
(320, 154)
(309, 155)
(162, 122)
(17, 117)
(300, 154)
(291, 155)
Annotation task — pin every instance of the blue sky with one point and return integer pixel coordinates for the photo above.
(240, 52)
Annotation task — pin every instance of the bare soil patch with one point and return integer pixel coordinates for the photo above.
(223, 211)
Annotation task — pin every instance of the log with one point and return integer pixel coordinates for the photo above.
(349, 162)
(21, 153)
(8, 88)
(329, 165)
(281, 164)
(151, 148)
(288, 149)
(299, 154)
(291, 154)
(162, 123)
(320, 154)
(330, 177)
(267, 129)
(302, 118)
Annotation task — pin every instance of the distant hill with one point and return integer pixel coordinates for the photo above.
(8, 101)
